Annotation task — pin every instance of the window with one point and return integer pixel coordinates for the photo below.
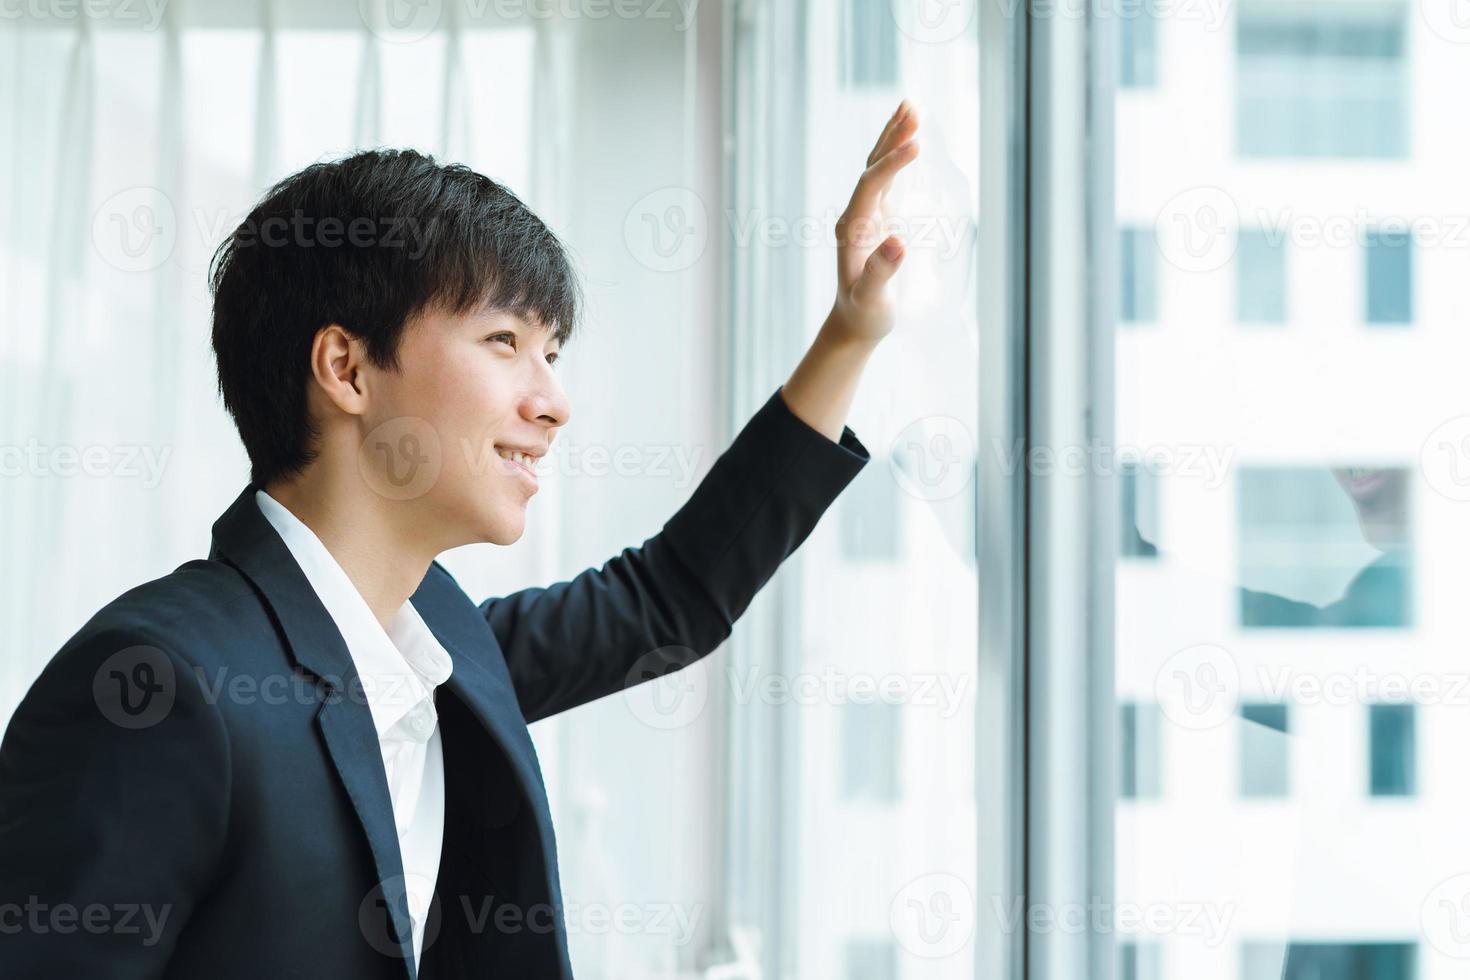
(1264, 755)
(869, 514)
(1390, 278)
(869, 44)
(1391, 750)
(869, 959)
(1322, 80)
(1324, 547)
(1139, 961)
(1138, 494)
(1139, 752)
(1138, 47)
(1317, 961)
(1139, 266)
(1260, 277)
(870, 751)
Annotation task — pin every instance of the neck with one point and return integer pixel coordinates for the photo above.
(368, 535)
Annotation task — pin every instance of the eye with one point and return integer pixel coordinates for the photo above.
(509, 337)
(552, 358)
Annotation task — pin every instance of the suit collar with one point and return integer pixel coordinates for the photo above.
(244, 538)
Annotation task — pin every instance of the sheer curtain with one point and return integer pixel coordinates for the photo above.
(135, 147)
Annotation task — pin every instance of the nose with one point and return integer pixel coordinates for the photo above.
(547, 403)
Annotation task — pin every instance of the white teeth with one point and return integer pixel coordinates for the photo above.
(518, 457)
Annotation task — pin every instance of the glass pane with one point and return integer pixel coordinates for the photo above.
(1296, 628)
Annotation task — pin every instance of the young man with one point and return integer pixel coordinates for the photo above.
(307, 755)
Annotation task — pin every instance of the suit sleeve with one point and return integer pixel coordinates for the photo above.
(675, 598)
(114, 785)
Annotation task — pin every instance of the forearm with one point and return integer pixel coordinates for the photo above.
(821, 389)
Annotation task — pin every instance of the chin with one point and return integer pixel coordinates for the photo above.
(504, 530)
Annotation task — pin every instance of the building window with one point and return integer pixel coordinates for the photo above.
(1391, 767)
(1138, 43)
(1138, 495)
(869, 959)
(869, 44)
(869, 514)
(1322, 80)
(1139, 268)
(870, 751)
(1140, 763)
(1324, 547)
(1390, 277)
(1260, 277)
(1264, 755)
(1140, 961)
(1314, 961)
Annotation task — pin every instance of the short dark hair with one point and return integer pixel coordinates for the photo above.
(366, 242)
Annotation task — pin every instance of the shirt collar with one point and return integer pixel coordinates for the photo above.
(400, 667)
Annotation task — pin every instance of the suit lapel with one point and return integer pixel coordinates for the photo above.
(245, 539)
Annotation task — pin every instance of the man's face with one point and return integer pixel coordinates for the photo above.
(1381, 497)
(469, 390)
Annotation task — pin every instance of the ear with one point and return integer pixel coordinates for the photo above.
(337, 365)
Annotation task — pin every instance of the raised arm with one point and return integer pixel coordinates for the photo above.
(677, 596)
(683, 589)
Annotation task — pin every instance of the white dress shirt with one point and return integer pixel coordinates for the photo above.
(400, 669)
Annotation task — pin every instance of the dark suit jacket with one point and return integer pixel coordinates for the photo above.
(193, 787)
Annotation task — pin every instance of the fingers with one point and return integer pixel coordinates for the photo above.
(876, 179)
(879, 268)
(900, 127)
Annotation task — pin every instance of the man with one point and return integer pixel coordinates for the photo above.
(307, 756)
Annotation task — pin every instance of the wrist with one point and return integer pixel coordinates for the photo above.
(839, 333)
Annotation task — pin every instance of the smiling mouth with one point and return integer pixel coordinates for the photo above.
(519, 464)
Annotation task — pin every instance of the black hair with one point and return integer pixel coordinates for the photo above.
(366, 242)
